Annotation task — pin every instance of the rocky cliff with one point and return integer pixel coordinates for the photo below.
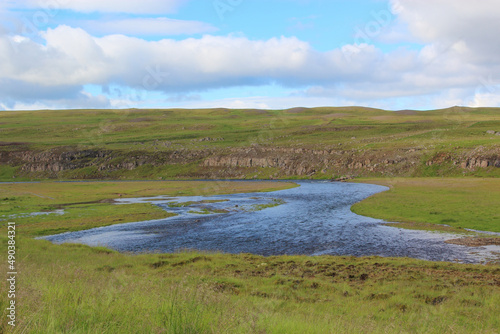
(280, 162)
(307, 162)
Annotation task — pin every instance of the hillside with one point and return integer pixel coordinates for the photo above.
(221, 143)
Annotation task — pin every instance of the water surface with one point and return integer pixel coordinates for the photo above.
(316, 219)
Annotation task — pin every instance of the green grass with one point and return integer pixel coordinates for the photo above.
(89, 204)
(189, 203)
(205, 211)
(151, 132)
(79, 289)
(420, 202)
(7, 172)
(275, 202)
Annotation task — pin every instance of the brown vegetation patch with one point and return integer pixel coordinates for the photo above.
(193, 260)
(406, 112)
(474, 242)
(307, 129)
(357, 271)
(12, 143)
(159, 264)
(428, 227)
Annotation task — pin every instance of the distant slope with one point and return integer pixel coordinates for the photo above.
(321, 142)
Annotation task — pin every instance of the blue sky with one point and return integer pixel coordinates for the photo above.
(394, 54)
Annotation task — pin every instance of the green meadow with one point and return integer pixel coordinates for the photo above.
(134, 129)
(90, 204)
(79, 289)
(360, 130)
(426, 203)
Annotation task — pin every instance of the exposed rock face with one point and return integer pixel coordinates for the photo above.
(104, 160)
(479, 157)
(303, 162)
(53, 161)
(480, 163)
(238, 162)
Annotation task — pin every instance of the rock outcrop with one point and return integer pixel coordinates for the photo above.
(306, 162)
(240, 162)
(55, 161)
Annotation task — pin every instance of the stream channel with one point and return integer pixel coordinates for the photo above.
(313, 219)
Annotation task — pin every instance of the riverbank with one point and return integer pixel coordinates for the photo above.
(452, 205)
(90, 204)
(75, 288)
(313, 219)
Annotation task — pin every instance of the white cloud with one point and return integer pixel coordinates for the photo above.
(240, 103)
(71, 57)
(265, 102)
(485, 100)
(108, 6)
(159, 26)
(473, 25)
(461, 51)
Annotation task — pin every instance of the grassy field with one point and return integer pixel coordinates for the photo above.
(421, 202)
(79, 289)
(317, 127)
(363, 132)
(89, 204)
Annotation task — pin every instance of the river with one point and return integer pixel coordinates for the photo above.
(314, 219)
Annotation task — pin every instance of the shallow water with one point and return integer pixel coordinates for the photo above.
(316, 219)
(32, 214)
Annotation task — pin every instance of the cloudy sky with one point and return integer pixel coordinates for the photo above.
(393, 54)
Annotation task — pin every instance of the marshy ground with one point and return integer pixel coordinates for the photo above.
(78, 289)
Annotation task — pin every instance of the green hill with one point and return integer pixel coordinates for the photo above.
(221, 143)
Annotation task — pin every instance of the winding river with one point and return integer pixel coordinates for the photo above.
(313, 219)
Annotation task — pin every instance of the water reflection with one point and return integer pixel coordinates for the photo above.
(315, 219)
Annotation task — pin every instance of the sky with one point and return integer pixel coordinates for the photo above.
(269, 54)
